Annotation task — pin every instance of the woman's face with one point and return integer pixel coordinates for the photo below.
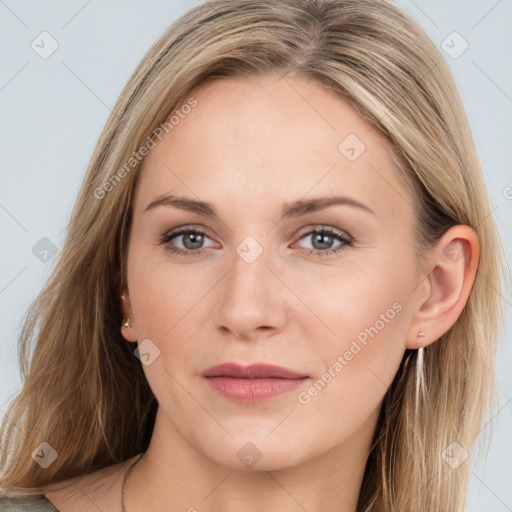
(300, 254)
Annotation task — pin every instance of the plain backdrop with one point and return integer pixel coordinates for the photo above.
(53, 108)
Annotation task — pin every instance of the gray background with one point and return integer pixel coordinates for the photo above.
(52, 111)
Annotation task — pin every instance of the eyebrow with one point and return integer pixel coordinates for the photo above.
(294, 209)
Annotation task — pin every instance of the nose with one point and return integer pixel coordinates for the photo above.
(252, 300)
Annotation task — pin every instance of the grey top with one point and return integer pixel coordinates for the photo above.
(36, 503)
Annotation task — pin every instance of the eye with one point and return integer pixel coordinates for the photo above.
(326, 241)
(188, 241)
(185, 241)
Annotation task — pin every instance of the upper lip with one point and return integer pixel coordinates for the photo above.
(253, 371)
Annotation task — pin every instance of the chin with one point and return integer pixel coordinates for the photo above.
(258, 455)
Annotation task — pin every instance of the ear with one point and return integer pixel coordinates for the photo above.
(450, 274)
(127, 332)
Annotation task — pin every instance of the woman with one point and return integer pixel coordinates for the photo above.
(277, 290)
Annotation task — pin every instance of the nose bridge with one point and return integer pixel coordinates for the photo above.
(249, 275)
(249, 270)
(251, 295)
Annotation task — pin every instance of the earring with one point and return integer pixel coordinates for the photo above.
(126, 323)
(420, 379)
(421, 334)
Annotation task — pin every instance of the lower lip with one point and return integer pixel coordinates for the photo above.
(253, 390)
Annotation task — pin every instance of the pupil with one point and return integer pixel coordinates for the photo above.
(322, 238)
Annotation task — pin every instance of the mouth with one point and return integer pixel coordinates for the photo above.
(254, 383)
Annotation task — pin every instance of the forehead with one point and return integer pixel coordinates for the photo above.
(272, 139)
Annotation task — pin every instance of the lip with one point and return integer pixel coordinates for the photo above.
(253, 371)
(253, 383)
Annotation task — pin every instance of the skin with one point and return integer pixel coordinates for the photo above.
(249, 147)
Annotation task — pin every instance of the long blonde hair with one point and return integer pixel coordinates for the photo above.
(85, 393)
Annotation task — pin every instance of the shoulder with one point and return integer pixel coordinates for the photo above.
(99, 490)
(36, 503)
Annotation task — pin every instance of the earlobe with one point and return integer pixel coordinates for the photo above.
(450, 276)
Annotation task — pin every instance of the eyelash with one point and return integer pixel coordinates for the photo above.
(347, 241)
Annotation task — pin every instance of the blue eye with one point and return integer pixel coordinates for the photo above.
(322, 241)
(192, 240)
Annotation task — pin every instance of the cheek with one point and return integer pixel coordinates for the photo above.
(171, 308)
(162, 293)
(357, 364)
(361, 322)
(356, 294)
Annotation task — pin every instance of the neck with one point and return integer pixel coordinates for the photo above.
(173, 475)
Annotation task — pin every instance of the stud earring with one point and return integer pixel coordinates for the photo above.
(421, 334)
(126, 323)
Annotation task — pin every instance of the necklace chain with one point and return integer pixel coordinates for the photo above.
(125, 480)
